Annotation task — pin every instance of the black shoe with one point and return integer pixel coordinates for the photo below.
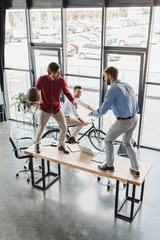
(37, 148)
(63, 150)
(135, 173)
(105, 167)
(71, 140)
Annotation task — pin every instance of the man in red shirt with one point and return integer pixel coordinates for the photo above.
(51, 87)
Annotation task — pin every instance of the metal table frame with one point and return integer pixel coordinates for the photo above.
(45, 175)
(127, 198)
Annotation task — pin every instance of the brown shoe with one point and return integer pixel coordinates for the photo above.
(72, 140)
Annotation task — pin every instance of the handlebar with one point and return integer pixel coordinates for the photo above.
(92, 120)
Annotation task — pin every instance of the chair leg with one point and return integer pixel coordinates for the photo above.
(27, 171)
(37, 166)
(98, 178)
(26, 164)
(28, 175)
(108, 183)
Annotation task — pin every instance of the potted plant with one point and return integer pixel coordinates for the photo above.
(23, 102)
(25, 106)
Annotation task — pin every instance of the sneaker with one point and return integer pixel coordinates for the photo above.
(37, 148)
(135, 173)
(105, 167)
(71, 140)
(61, 148)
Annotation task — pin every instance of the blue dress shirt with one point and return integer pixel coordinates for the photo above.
(121, 99)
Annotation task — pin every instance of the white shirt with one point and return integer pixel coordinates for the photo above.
(69, 109)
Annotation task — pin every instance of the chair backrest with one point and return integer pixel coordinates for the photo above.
(13, 141)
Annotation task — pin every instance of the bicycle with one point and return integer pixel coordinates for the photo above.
(95, 135)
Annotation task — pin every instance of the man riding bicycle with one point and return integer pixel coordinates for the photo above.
(72, 116)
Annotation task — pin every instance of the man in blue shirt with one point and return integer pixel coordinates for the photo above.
(122, 100)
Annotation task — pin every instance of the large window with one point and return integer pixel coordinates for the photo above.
(46, 25)
(46, 32)
(84, 34)
(16, 49)
(16, 56)
(42, 59)
(127, 27)
(129, 68)
(154, 70)
(17, 82)
(151, 124)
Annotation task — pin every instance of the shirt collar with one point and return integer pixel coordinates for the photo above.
(51, 80)
(117, 81)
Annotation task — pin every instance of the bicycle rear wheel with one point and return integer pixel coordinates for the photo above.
(52, 134)
(96, 137)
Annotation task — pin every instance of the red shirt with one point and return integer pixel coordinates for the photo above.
(50, 93)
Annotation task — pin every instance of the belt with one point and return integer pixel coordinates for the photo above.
(121, 118)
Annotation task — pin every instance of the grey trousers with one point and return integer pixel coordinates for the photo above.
(43, 119)
(125, 127)
(73, 121)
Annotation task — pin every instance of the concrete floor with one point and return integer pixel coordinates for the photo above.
(74, 208)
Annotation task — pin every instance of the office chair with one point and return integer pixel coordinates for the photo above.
(19, 153)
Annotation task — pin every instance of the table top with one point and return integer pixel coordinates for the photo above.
(82, 161)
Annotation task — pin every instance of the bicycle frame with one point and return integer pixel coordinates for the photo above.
(84, 134)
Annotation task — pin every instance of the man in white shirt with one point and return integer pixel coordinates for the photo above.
(72, 116)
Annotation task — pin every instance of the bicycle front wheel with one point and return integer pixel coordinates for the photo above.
(52, 134)
(96, 137)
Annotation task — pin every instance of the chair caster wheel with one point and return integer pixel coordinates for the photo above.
(17, 175)
(25, 167)
(108, 187)
(40, 167)
(98, 179)
(28, 179)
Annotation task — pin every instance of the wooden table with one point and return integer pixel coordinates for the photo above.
(82, 161)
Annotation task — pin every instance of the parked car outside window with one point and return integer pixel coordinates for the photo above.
(133, 39)
(93, 51)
